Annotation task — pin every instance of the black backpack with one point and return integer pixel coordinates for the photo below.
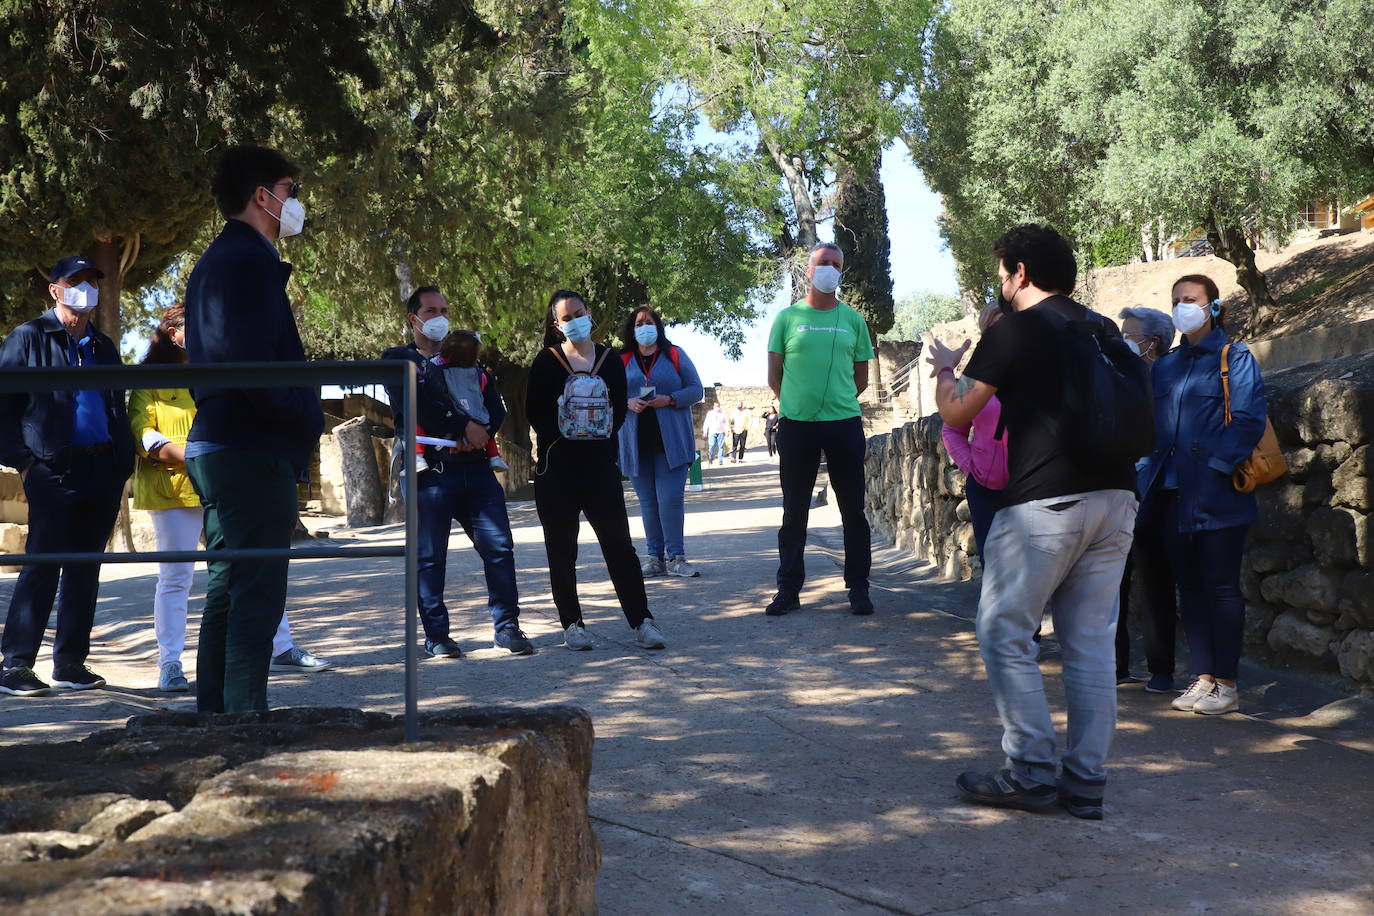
(1108, 414)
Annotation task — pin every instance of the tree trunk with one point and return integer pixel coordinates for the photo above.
(805, 238)
(113, 255)
(514, 439)
(363, 497)
(1230, 243)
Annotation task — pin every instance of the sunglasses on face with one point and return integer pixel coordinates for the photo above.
(293, 187)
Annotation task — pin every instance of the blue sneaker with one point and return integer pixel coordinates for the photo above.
(1160, 683)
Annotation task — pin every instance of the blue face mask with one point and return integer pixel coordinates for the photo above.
(578, 329)
(646, 334)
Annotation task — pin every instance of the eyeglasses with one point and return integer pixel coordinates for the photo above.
(293, 187)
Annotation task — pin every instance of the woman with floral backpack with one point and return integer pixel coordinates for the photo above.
(576, 403)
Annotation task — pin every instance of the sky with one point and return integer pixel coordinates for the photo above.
(919, 263)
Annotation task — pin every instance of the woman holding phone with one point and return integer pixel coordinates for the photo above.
(658, 443)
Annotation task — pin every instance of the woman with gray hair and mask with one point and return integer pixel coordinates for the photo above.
(1150, 333)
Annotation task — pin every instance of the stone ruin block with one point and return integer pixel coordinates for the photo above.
(304, 811)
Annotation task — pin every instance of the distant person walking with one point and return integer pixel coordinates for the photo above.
(160, 420)
(73, 452)
(770, 430)
(576, 403)
(739, 431)
(248, 446)
(1149, 333)
(1062, 533)
(657, 445)
(1205, 429)
(713, 429)
(818, 353)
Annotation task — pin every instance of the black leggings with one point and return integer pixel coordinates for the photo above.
(566, 491)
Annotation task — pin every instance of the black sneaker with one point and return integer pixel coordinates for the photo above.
(783, 603)
(22, 682)
(76, 677)
(1001, 790)
(1089, 809)
(859, 602)
(513, 639)
(442, 648)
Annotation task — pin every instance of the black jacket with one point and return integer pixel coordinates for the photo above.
(237, 311)
(37, 425)
(436, 413)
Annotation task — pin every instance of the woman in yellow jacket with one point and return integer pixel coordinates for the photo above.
(161, 419)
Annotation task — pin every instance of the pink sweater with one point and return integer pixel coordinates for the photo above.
(980, 456)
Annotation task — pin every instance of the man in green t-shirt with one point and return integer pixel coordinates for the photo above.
(818, 353)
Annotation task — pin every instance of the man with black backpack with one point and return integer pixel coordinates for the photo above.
(1073, 397)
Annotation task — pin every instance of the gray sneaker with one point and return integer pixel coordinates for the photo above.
(651, 566)
(173, 679)
(576, 637)
(678, 566)
(297, 659)
(649, 636)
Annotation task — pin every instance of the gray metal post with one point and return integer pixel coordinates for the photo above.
(412, 571)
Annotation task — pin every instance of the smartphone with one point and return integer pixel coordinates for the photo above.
(646, 393)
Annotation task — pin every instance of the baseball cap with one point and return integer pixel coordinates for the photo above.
(68, 266)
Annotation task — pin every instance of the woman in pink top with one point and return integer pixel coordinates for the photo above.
(981, 454)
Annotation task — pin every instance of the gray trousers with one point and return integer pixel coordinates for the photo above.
(1067, 553)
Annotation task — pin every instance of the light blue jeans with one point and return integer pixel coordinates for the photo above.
(659, 489)
(717, 447)
(1067, 553)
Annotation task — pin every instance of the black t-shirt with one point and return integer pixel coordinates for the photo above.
(649, 436)
(1021, 356)
(547, 378)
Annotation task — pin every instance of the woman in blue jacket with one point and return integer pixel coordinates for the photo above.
(1188, 491)
(658, 442)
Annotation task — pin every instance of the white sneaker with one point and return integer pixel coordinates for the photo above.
(678, 566)
(651, 566)
(497, 463)
(1220, 700)
(1196, 691)
(577, 638)
(649, 635)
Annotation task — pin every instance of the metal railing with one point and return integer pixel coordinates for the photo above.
(252, 375)
(898, 382)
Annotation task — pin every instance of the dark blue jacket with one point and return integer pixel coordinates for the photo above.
(37, 425)
(237, 311)
(438, 415)
(1190, 425)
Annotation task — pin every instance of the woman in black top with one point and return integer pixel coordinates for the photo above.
(770, 429)
(575, 477)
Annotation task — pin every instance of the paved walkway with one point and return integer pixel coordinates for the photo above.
(805, 764)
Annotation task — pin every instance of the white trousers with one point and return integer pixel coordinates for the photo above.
(179, 529)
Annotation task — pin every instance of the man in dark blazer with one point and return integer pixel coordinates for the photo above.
(248, 447)
(74, 451)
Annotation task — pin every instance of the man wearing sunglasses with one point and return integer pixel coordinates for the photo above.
(248, 447)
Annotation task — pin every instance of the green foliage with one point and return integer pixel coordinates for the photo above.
(1114, 247)
(915, 314)
(108, 109)
(1094, 113)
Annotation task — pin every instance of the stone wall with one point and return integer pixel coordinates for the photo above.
(757, 398)
(309, 811)
(1308, 573)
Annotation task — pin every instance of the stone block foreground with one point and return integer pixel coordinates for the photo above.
(303, 811)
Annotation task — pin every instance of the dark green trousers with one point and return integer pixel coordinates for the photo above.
(250, 501)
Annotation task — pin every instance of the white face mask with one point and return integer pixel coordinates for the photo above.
(436, 328)
(292, 217)
(825, 279)
(81, 298)
(1188, 317)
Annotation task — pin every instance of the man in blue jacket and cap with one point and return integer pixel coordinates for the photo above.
(248, 447)
(74, 451)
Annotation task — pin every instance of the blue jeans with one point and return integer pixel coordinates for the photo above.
(660, 492)
(1206, 565)
(982, 506)
(1066, 552)
(717, 449)
(469, 492)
